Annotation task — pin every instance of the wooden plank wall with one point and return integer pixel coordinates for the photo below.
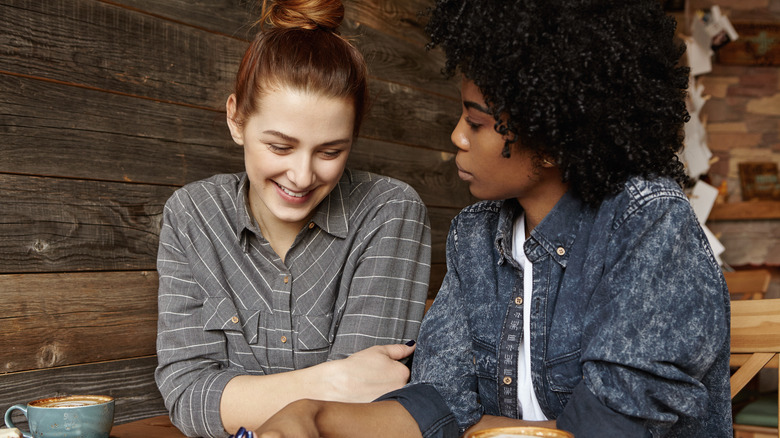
(106, 107)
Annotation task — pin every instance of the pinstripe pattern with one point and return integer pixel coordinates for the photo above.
(357, 276)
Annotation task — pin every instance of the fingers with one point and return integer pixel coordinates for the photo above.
(397, 351)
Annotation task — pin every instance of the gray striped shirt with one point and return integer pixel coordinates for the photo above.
(356, 276)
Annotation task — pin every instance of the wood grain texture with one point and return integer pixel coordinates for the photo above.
(59, 130)
(56, 224)
(130, 382)
(103, 46)
(73, 318)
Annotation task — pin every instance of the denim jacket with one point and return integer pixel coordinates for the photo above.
(629, 321)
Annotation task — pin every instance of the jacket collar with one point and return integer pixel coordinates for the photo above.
(555, 234)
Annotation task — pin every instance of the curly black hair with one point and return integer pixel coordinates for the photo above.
(594, 84)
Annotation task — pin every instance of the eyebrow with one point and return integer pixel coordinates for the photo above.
(476, 106)
(291, 139)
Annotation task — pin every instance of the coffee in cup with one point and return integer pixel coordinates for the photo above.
(83, 416)
(520, 432)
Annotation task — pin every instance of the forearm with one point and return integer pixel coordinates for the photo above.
(249, 400)
(315, 418)
(357, 420)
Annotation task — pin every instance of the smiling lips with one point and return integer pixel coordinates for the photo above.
(288, 192)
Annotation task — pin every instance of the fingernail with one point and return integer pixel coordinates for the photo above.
(410, 343)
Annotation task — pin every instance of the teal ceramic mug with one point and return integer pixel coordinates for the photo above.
(72, 416)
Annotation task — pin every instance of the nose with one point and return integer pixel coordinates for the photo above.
(301, 171)
(458, 136)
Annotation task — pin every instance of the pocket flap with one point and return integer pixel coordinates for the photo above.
(220, 313)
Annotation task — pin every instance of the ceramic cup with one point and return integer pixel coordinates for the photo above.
(519, 432)
(82, 416)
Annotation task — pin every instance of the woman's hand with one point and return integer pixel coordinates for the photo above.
(370, 373)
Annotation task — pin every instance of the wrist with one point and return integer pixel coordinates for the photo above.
(334, 381)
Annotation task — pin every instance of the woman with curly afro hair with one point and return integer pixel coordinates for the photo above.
(581, 294)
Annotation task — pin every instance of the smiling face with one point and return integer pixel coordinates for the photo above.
(295, 150)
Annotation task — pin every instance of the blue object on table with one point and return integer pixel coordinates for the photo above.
(243, 433)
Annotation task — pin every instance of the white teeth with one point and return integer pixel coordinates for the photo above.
(293, 194)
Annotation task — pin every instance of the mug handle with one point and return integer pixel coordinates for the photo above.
(9, 423)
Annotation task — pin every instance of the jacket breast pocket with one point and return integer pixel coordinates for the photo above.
(486, 370)
(563, 374)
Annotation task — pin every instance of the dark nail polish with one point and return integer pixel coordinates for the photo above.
(410, 343)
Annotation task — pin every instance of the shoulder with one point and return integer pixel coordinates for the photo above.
(358, 184)
(220, 190)
(367, 194)
(649, 198)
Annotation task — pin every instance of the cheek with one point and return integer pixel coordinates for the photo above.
(331, 170)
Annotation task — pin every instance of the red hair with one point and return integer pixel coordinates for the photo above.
(302, 50)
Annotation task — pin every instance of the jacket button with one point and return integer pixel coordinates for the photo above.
(284, 339)
(311, 225)
(286, 279)
(507, 380)
(560, 251)
(519, 300)
(234, 319)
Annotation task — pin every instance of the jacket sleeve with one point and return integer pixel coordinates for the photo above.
(654, 327)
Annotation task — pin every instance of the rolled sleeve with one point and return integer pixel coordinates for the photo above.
(428, 409)
(584, 407)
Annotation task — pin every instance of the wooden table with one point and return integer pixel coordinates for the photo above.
(157, 427)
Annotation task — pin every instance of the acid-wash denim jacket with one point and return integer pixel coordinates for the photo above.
(629, 321)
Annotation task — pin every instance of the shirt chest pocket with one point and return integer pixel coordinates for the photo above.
(222, 315)
(314, 332)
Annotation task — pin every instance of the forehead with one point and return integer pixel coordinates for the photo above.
(297, 111)
(470, 92)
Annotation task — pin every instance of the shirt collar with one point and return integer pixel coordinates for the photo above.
(330, 215)
(555, 234)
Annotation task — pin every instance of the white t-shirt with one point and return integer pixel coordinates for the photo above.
(526, 396)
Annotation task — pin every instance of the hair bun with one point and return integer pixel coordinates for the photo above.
(305, 14)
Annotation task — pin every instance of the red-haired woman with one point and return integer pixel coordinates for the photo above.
(289, 280)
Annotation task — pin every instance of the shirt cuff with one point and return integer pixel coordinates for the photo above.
(587, 417)
(428, 409)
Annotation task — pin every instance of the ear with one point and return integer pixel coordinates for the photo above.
(236, 130)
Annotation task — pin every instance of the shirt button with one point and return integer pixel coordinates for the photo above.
(234, 319)
(519, 300)
(507, 380)
(560, 251)
(284, 339)
(286, 279)
(311, 225)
